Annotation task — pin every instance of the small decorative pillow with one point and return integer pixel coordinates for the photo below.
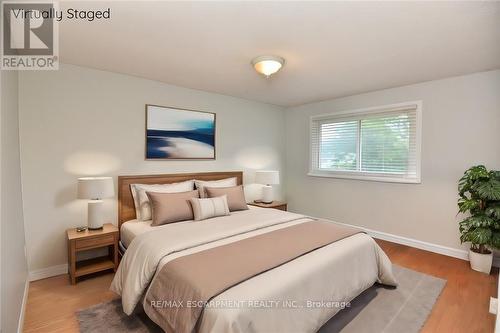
(235, 196)
(201, 184)
(141, 200)
(171, 207)
(209, 207)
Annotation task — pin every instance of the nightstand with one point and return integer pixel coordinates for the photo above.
(275, 204)
(92, 239)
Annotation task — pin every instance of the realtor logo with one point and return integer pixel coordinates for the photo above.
(29, 38)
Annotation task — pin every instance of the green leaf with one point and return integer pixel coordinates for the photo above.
(493, 211)
(480, 236)
(477, 221)
(489, 190)
(495, 240)
(495, 174)
(466, 204)
(464, 226)
(471, 176)
(463, 186)
(478, 172)
(464, 238)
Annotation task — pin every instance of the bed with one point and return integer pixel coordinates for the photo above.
(299, 295)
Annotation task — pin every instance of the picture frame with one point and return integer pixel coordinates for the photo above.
(179, 134)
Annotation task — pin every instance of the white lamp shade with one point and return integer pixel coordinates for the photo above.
(267, 177)
(95, 187)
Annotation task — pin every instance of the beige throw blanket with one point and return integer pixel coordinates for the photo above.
(177, 296)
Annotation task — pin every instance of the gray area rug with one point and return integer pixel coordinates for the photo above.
(378, 309)
(388, 310)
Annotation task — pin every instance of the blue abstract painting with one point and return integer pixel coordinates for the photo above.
(179, 134)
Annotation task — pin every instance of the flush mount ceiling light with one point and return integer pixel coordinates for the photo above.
(268, 65)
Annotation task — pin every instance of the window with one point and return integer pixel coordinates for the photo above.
(381, 144)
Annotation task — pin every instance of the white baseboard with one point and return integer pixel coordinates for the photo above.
(48, 272)
(440, 249)
(20, 323)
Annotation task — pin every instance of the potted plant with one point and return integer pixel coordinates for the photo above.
(479, 191)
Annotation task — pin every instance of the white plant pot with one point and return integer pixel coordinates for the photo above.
(481, 262)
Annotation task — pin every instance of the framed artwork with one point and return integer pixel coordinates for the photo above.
(179, 134)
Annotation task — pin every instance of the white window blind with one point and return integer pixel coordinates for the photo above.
(380, 143)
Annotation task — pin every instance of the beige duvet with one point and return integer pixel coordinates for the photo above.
(299, 296)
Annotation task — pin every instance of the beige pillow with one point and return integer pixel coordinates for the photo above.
(141, 200)
(171, 207)
(209, 207)
(235, 196)
(201, 184)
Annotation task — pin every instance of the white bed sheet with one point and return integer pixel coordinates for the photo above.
(133, 228)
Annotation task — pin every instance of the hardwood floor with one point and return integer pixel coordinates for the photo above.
(461, 307)
(52, 302)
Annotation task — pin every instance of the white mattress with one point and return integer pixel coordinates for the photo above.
(131, 229)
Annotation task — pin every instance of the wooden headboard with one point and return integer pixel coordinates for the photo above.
(126, 209)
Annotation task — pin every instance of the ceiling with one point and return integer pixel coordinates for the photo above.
(332, 49)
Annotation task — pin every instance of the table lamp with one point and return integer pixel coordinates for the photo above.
(95, 189)
(267, 178)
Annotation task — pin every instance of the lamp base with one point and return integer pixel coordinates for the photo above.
(100, 228)
(267, 194)
(95, 220)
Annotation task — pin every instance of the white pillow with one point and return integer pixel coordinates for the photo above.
(141, 200)
(209, 207)
(201, 184)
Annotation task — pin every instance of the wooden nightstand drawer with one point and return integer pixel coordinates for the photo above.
(92, 239)
(95, 242)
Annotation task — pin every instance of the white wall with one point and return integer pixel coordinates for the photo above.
(14, 268)
(78, 121)
(461, 128)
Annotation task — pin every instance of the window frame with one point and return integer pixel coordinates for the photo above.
(347, 115)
